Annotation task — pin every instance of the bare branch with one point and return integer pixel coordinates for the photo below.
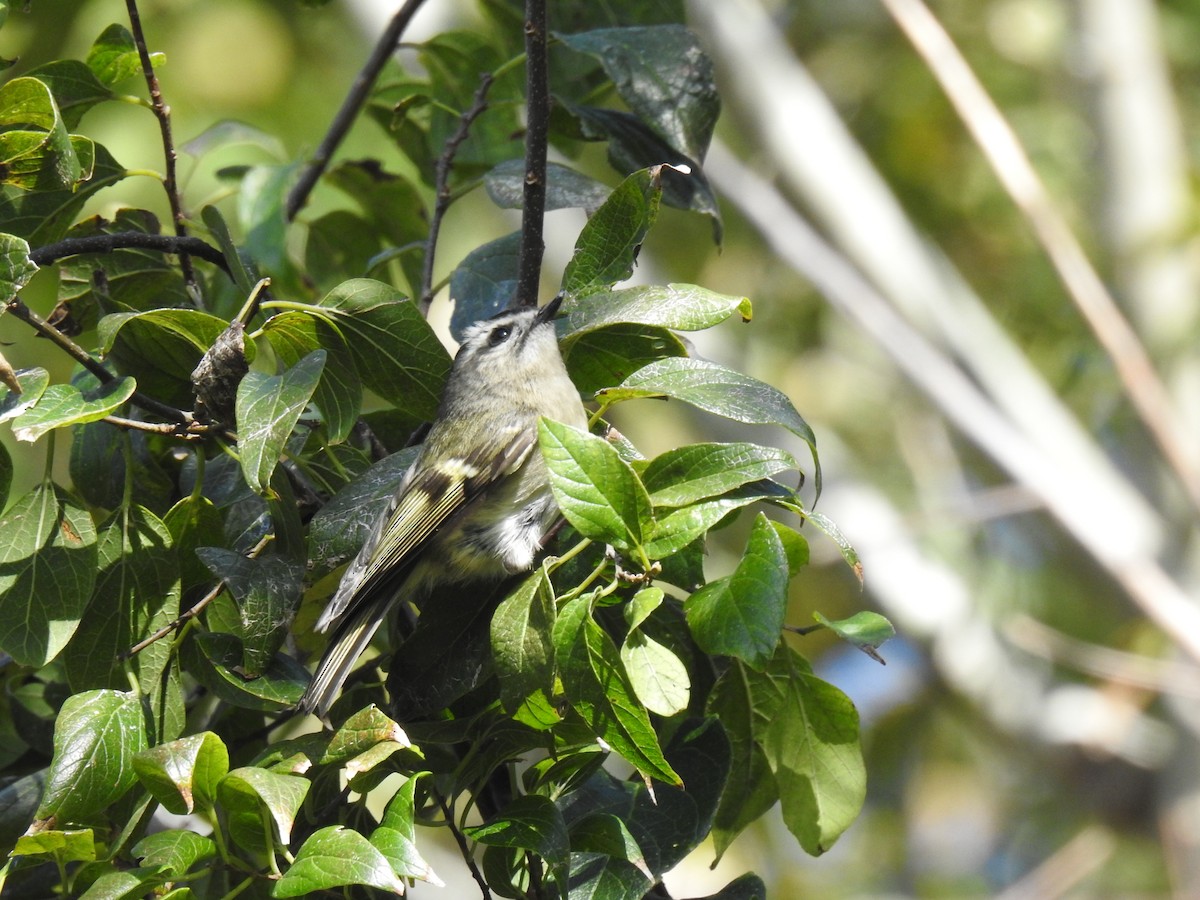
(162, 112)
(139, 240)
(384, 48)
(537, 101)
(441, 182)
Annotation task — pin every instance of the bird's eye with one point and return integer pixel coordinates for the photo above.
(499, 335)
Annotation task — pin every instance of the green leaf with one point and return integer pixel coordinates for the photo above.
(266, 590)
(339, 243)
(268, 408)
(193, 522)
(665, 77)
(607, 834)
(826, 525)
(36, 152)
(16, 268)
(183, 775)
(247, 793)
(795, 545)
(47, 570)
(644, 602)
(72, 404)
(679, 528)
(865, 630)
(743, 615)
(716, 389)
(608, 245)
(396, 352)
(530, 822)
(334, 857)
(681, 307)
(135, 279)
(175, 850)
(65, 846)
(136, 594)
(659, 678)
(699, 471)
(598, 688)
(396, 835)
(485, 282)
(565, 187)
(606, 357)
(749, 789)
(808, 730)
(597, 491)
(633, 145)
(75, 87)
(363, 731)
(160, 348)
(216, 660)
(522, 643)
(125, 884)
(261, 209)
(43, 216)
(744, 887)
(96, 737)
(33, 384)
(114, 56)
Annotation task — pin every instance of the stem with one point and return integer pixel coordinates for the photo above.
(441, 178)
(18, 308)
(537, 99)
(107, 243)
(162, 112)
(463, 847)
(384, 48)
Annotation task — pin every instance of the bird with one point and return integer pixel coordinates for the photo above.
(475, 505)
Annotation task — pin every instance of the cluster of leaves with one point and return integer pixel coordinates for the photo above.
(223, 465)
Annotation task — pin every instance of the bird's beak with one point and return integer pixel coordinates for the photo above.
(549, 311)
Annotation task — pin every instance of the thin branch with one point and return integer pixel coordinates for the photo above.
(442, 185)
(1011, 164)
(384, 48)
(190, 432)
(463, 847)
(537, 101)
(162, 112)
(138, 240)
(195, 610)
(18, 308)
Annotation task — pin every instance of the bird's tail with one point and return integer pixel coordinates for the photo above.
(349, 640)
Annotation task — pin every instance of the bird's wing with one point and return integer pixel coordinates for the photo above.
(425, 502)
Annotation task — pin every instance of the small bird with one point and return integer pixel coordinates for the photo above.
(475, 505)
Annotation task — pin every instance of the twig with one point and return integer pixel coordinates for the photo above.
(384, 47)
(138, 240)
(18, 308)
(190, 432)
(441, 182)
(537, 102)
(196, 608)
(463, 847)
(162, 112)
(1011, 164)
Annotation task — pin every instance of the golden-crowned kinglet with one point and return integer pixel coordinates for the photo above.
(476, 503)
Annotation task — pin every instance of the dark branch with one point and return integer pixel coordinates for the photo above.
(345, 117)
(162, 112)
(441, 182)
(17, 308)
(463, 847)
(107, 243)
(537, 100)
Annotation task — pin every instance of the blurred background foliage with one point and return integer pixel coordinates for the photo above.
(1034, 733)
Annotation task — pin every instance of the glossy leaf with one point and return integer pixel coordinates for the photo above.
(485, 282)
(716, 389)
(530, 822)
(362, 731)
(598, 688)
(72, 404)
(43, 216)
(396, 835)
(175, 850)
(268, 408)
(565, 187)
(681, 307)
(36, 152)
(397, 354)
(47, 571)
(699, 471)
(335, 857)
(607, 356)
(16, 268)
(608, 245)
(659, 678)
(114, 56)
(183, 774)
(96, 736)
(679, 528)
(33, 383)
(250, 794)
(743, 615)
(75, 87)
(865, 630)
(596, 490)
(522, 645)
(216, 661)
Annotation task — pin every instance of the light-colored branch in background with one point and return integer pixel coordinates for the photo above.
(1011, 164)
(800, 136)
(796, 243)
